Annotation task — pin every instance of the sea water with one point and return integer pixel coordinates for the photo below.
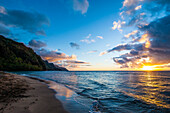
(112, 91)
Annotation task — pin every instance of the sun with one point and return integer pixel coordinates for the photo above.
(148, 68)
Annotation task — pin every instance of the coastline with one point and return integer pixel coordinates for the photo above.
(71, 101)
(20, 94)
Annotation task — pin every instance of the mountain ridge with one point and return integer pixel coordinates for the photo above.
(15, 56)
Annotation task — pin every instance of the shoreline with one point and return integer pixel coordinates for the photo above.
(21, 94)
(68, 98)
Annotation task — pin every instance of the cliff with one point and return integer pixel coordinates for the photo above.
(51, 67)
(16, 56)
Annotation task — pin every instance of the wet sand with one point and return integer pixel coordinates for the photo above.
(19, 94)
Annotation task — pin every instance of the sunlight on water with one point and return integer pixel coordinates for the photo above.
(149, 89)
(115, 91)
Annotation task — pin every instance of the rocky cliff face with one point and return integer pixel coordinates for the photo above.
(51, 67)
(16, 56)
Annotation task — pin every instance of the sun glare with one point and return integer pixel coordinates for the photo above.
(148, 68)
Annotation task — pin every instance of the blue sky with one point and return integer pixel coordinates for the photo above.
(87, 24)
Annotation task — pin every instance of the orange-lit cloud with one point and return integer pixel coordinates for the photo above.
(131, 34)
(53, 56)
(72, 64)
(138, 7)
(149, 45)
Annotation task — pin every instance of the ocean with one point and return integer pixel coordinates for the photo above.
(109, 91)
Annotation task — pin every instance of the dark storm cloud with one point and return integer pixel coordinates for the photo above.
(159, 33)
(74, 45)
(160, 56)
(37, 44)
(32, 22)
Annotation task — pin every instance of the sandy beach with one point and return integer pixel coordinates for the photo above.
(19, 94)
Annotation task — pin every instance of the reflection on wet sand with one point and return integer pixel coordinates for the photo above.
(68, 97)
(61, 90)
(150, 89)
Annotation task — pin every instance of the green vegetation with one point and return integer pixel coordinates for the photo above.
(16, 56)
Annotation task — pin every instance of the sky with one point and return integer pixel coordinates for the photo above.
(92, 34)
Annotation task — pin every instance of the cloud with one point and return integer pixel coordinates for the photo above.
(118, 25)
(163, 66)
(41, 32)
(54, 56)
(160, 56)
(134, 52)
(72, 66)
(122, 47)
(32, 22)
(158, 31)
(100, 37)
(138, 7)
(107, 45)
(103, 53)
(36, 44)
(131, 34)
(81, 5)
(88, 36)
(130, 6)
(3, 10)
(89, 39)
(94, 51)
(75, 62)
(74, 45)
(151, 8)
(149, 45)
(58, 58)
(4, 30)
(128, 3)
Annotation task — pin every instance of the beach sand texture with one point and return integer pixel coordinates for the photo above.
(19, 94)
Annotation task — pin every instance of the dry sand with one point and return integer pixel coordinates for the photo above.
(19, 94)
